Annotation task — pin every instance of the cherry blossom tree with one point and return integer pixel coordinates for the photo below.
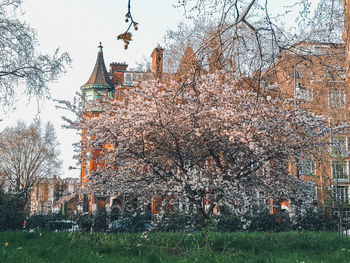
(209, 144)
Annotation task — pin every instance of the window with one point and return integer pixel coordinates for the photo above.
(262, 198)
(89, 95)
(314, 191)
(303, 94)
(99, 95)
(138, 76)
(127, 79)
(301, 75)
(111, 94)
(307, 167)
(334, 123)
(177, 205)
(336, 99)
(70, 188)
(340, 170)
(254, 165)
(341, 193)
(339, 145)
(335, 73)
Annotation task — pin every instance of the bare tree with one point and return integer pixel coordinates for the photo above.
(28, 153)
(20, 62)
(247, 38)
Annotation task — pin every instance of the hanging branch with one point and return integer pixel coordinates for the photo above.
(126, 36)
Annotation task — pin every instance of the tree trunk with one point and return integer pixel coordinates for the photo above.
(204, 230)
(204, 226)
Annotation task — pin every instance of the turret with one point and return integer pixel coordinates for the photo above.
(99, 86)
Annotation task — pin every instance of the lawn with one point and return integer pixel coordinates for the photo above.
(173, 247)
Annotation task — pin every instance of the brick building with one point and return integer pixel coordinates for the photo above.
(110, 84)
(53, 195)
(313, 75)
(346, 37)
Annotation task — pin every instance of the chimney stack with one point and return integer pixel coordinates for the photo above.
(115, 66)
(157, 62)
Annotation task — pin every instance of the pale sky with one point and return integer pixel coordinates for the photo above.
(77, 27)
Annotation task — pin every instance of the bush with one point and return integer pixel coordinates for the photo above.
(132, 221)
(47, 221)
(114, 214)
(38, 222)
(228, 222)
(11, 212)
(180, 222)
(85, 222)
(316, 221)
(100, 222)
(260, 219)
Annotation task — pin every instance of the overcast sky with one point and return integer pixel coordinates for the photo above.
(77, 26)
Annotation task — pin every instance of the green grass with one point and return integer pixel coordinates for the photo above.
(178, 247)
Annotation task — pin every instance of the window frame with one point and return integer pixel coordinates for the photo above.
(336, 99)
(342, 195)
(334, 169)
(311, 171)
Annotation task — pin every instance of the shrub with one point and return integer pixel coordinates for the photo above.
(114, 214)
(38, 222)
(84, 222)
(316, 220)
(50, 221)
(132, 221)
(100, 222)
(260, 219)
(228, 222)
(11, 212)
(180, 222)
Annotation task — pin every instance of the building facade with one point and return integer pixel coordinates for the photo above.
(314, 76)
(52, 195)
(104, 84)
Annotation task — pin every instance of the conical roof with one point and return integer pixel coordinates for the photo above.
(99, 77)
(188, 64)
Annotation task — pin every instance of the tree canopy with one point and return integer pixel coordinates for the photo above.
(211, 143)
(28, 153)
